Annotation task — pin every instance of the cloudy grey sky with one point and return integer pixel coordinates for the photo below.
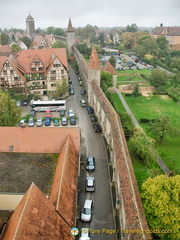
(103, 13)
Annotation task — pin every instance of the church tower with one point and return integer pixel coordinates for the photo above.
(30, 28)
(70, 37)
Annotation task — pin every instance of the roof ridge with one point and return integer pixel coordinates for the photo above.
(70, 27)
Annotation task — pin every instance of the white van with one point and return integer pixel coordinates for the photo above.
(86, 212)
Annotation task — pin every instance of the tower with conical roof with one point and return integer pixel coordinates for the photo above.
(94, 71)
(30, 26)
(70, 37)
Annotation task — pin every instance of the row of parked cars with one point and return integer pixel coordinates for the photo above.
(88, 207)
(47, 120)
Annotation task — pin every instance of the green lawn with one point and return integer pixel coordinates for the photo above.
(152, 107)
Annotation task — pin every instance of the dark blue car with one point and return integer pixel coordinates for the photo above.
(47, 121)
(90, 110)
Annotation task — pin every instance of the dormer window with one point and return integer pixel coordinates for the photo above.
(33, 69)
(36, 62)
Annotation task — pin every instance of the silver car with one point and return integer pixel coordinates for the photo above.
(31, 122)
(90, 184)
(39, 122)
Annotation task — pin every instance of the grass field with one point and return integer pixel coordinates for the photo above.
(133, 75)
(152, 107)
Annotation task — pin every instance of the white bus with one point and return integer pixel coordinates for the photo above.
(53, 106)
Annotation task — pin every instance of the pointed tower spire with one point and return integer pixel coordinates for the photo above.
(70, 27)
(94, 61)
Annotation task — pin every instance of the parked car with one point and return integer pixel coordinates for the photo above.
(70, 113)
(64, 121)
(56, 122)
(18, 103)
(90, 184)
(71, 86)
(31, 122)
(39, 122)
(25, 103)
(47, 121)
(62, 113)
(86, 212)
(83, 92)
(90, 110)
(97, 127)
(84, 234)
(22, 123)
(32, 112)
(80, 83)
(90, 164)
(71, 91)
(83, 102)
(93, 118)
(48, 113)
(77, 72)
(72, 120)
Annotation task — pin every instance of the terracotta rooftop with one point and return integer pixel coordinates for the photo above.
(70, 27)
(63, 194)
(37, 140)
(109, 68)
(5, 48)
(35, 218)
(46, 56)
(94, 60)
(2, 61)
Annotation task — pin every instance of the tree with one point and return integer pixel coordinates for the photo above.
(4, 38)
(15, 48)
(132, 28)
(163, 45)
(112, 61)
(160, 197)
(106, 80)
(9, 112)
(61, 88)
(161, 127)
(159, 79)
(27, 41)
(143, 146)
(136, 92)
(58, 44)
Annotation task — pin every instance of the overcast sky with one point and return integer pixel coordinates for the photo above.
(102, 13)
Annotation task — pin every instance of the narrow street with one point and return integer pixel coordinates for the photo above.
(92, 144)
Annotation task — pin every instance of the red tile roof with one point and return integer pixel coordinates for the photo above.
(109, 68)
(2, 61)
(5, 48)
(37, 140)
(46, 56)
(70, 27)
(63, 194)
(35, 218)
(94, 60)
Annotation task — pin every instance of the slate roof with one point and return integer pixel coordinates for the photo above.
(63, 194)
(171, 31)
(35, 218)
(29, 18)
(46, 56)
(37, 140)
(109, 68)
(94, 60)
(70, 27)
